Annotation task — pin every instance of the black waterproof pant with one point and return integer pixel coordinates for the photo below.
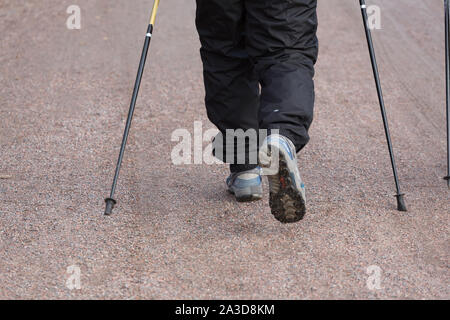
(258, 58)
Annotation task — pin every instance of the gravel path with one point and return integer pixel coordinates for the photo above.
(176, 232)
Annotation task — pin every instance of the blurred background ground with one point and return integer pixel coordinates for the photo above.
(176, 232)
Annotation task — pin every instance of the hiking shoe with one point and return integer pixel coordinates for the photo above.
(287, 191)
(246, 185)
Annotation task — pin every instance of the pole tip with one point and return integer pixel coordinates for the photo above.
(401, 206)
(110, 203)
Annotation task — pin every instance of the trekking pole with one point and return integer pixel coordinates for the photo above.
(400, 200)
(447, 70)
(110, 202)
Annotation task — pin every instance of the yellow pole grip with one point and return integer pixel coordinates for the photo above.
(154, 11)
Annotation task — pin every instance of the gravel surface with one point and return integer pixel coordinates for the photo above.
(176, 233)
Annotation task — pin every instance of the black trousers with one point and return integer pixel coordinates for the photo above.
(258, 58)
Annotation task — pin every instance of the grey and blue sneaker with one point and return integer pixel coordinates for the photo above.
(278, 159)
(246, 186)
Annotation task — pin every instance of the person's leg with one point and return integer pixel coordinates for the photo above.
(232, 90)
(282, 43)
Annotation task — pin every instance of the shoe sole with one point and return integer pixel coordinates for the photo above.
(287, 204)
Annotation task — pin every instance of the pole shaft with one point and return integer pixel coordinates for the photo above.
(154, 11)
(379, 92)
(401, 206)
(447, 71)
(132, 107)
(110, 202)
